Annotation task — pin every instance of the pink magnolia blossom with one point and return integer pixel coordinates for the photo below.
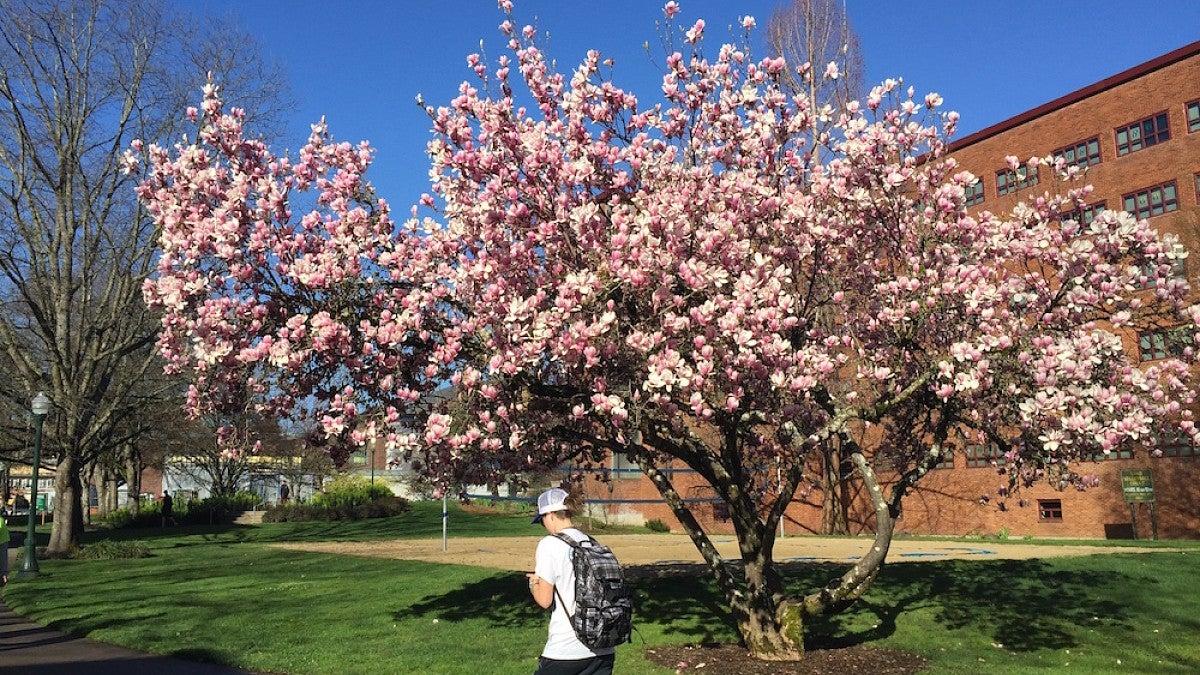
(597, 266)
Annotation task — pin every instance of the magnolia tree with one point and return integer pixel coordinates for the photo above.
(679, 282)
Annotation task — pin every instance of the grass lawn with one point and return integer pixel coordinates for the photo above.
(220, 594)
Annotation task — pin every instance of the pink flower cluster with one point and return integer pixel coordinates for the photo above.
(597, 267)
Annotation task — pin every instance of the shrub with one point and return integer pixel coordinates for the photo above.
(149, 515)
(118, 519)
(112, 550)
(349, 491)
(218, 509)
(656, 525)
(380, 507)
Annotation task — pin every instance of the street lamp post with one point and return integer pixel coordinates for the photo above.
(41, 407)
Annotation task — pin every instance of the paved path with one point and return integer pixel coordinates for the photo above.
(31, 649)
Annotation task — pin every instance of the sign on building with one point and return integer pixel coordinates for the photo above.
(1138, 485)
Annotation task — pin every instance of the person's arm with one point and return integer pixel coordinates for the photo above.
(541, 590)
(541, 579)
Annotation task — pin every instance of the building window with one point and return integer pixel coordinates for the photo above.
(1146, 277)
(1175, 443)
(1081, 154)
(979, 456)
(1159, 344)
(1084, 215)
(1122, 453)
(625, 468)
(1050, 510)
(1143, 134)
(1152, 201)
(1193, 116)
(1009, 181)
(974, 192)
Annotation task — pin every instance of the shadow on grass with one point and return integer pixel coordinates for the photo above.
(502, 599)
(1027, 605)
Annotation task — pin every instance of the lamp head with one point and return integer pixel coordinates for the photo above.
(41, 404)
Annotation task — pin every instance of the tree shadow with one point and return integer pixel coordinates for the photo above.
(1026, 605)
(503, 599)
(684, 604)
(676, 602)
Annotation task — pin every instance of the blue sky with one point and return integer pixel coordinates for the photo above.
(361, 63)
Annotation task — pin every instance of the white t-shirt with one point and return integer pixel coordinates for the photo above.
(553, 563)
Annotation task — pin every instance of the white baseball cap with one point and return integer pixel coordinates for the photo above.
(554, 499)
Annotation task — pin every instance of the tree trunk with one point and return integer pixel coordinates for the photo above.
(770, 632)
(68, 509)
(133, 481)
(833, 488)
(109, 500)
(845, 590)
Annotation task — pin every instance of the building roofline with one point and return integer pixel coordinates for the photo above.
(1120, 78)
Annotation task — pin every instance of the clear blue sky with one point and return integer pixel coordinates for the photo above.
(361, 63)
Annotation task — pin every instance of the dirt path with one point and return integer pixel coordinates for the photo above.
(516, 553)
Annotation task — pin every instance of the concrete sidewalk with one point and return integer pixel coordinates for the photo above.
(31, 649)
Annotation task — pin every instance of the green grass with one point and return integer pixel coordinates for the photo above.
(221, 594)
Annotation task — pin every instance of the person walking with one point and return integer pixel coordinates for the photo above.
(168, 509)
(554, 575)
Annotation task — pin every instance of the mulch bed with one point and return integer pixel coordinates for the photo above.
(734, 660)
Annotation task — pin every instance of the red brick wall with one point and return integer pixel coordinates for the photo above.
(950, 502)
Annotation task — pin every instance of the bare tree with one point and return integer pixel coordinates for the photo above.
(817, 32)
(199, 452)
(79, 79)
(298, 462)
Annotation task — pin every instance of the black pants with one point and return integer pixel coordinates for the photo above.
(597, 665)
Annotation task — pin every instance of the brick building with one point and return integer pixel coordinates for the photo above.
(1138, 135)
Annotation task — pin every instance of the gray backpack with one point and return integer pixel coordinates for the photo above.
(603, 614)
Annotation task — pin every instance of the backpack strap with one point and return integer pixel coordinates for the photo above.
(570, 541)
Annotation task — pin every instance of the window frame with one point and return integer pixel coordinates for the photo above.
(1010, 181)
(975, 193)
(982, 456)
(1050, 510)
(1191, 116)
(1138, 128)
(1178, 271)
(1162, 343)
(1178, 443)
(1124, 452)
(1164, 205)
(1085, 214)
(1089, 159)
